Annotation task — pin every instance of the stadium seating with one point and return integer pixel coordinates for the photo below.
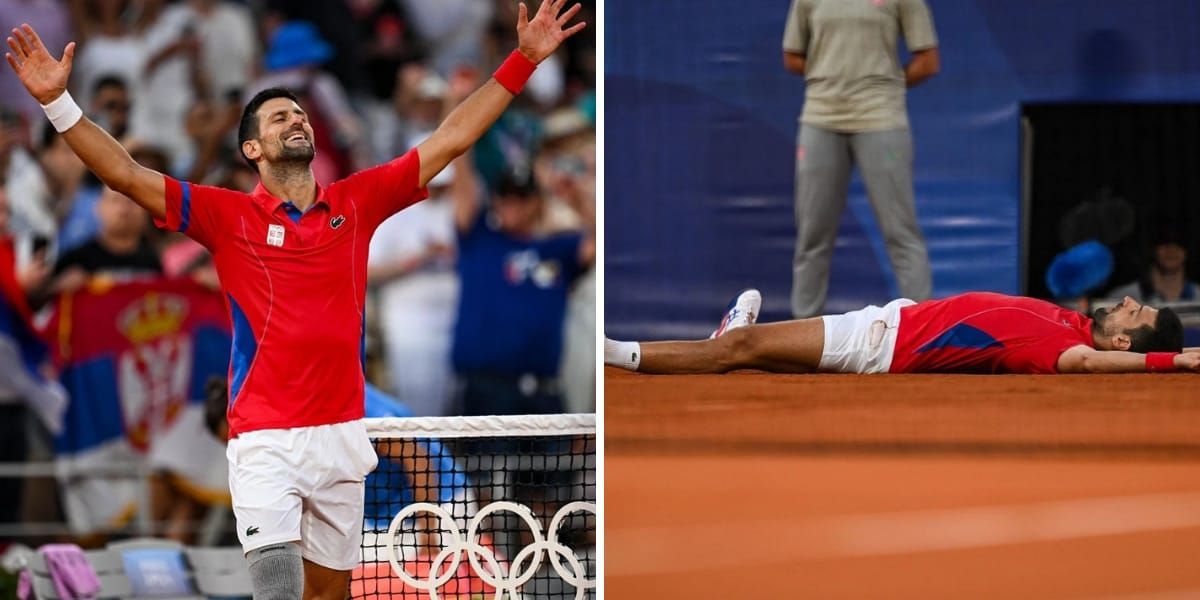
(155, 568)
(220, 572)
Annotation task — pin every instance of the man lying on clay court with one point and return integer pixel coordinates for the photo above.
(978, 332)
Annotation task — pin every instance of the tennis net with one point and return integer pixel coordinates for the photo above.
(480, 507)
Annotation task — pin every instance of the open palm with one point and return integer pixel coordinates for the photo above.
(540, 37)
(44, 77)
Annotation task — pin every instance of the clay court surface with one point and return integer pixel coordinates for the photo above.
(901, 486)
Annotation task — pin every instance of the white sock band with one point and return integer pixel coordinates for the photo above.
(626, 355)
(63, 112)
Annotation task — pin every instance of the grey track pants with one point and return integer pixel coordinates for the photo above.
(823, 161)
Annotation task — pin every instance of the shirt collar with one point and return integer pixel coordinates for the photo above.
(273, 203)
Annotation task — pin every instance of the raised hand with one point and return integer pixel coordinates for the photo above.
(540, 37)
(44, 77)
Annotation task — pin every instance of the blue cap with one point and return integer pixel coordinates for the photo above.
(297, 44)
(1080, 270)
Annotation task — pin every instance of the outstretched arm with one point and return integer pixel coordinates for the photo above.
(1082, 359)
(46, 80)
(538, 38)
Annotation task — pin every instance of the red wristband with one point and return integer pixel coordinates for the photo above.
(514, 72)
(1160, 362)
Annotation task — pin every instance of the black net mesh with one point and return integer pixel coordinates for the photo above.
(465, 516)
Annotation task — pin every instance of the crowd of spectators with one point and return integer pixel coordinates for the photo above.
(488, 282)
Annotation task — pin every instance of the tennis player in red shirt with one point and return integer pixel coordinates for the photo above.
(292, 260)
(978, 332)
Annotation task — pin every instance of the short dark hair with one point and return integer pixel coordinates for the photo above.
(516, 182)
(109, 80)
(1165, 336)
(248, 127)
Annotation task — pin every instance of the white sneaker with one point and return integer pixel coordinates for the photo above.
(742, 311)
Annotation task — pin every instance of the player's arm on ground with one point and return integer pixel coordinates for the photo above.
(1084, 359)
(537, 39)
(45, 78)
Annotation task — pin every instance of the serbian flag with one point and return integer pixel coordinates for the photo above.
(16, 320)
(134, 358)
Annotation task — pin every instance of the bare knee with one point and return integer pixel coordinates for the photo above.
(739, 349)
(323, 583)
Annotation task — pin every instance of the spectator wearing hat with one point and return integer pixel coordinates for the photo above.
(515, 276)
(293, 60)
(1166, 278)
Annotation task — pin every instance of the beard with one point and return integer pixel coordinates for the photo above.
(1099, 317)
(295, 152)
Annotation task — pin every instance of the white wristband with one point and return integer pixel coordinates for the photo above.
(63, 112)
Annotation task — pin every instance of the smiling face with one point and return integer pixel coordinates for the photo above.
(1113, 325)
(284, 134)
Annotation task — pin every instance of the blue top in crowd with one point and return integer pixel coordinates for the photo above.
(513, 300)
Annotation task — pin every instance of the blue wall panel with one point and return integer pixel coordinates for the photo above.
(700, 138)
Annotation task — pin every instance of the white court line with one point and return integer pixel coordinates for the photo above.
(684, 548)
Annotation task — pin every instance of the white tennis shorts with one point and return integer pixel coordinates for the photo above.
(302, 485)
(862, 341)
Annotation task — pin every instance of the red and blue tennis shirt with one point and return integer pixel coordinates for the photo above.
(295, 285)
(982, 332)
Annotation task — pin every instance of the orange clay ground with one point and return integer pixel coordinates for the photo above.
(901, 486)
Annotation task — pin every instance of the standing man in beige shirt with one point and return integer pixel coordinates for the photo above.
(855, 114)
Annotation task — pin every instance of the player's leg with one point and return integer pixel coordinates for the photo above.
(822, 178)
(789, 347)
(784, 347)
(332, 525)
(266, 487)
(884, 159)
(277, 572)
(323, 583)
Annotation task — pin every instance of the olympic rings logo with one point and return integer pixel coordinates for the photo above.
(524, 565)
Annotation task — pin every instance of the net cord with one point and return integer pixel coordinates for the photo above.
(481, 426)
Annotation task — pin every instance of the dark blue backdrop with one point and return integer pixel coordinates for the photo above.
(700, 124)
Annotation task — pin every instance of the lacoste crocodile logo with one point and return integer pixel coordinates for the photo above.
(251, 530)
(337, 221)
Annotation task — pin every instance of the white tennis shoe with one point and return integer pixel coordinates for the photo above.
(742, 311)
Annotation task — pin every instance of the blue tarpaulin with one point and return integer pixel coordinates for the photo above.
(700, 126)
